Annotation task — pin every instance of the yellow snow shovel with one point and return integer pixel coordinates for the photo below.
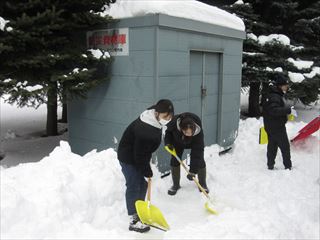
(208, 205)
(263, 136)
(150, 214)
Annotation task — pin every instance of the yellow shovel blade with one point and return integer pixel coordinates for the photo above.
(263, 136)
(210, 208)
(151, 215)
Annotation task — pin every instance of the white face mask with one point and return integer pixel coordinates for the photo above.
(163, 122)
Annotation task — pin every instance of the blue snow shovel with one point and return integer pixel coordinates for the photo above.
(208, 205)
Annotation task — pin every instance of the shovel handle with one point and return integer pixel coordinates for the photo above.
(173, 152)
(149, 190)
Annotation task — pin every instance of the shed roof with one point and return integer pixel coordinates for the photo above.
(188, 9)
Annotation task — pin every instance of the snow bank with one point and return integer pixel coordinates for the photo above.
(67, 196)
(189, 9)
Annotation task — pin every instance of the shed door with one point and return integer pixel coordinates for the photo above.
(204, 91)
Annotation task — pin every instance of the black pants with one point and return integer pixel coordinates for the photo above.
(278, 138)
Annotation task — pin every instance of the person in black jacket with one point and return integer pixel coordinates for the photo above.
(275, 114)
(185, 132)
(140, 139)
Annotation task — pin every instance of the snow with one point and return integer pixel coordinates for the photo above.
(34, 88)
(252, 36)
(239, 2)
(3, 23)
(97, 53)
(7, 80)
(315, 70)
(252, 53)
(21, 130)
(76, 70)
(66, 196)
(190, 9)
(300, 64)
(278, 69)
(283, 39)
(296, 77)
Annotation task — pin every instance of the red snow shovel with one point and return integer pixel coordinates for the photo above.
(310, 128)
(208, 205)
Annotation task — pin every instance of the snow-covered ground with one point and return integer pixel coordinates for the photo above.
(21, 130)
(66, 196)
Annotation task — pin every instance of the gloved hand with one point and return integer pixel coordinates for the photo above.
(294, 112)
(170, 146)
(191, 175)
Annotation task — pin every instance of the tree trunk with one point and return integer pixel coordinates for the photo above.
(254, 93)
(64, 118)
(52, 109)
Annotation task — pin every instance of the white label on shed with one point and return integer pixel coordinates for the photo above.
(115, 41)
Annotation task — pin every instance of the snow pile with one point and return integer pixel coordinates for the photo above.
(67, 196)
(190, 9)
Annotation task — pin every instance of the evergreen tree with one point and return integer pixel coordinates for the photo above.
(43, 53)
(263, 59)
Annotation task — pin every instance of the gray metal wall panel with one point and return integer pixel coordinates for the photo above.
(213, 85)
(211, 105)
(132, 88)
(230, 122)
(230, 102)
(231, 83)
(138, 63)
(173, 63)
(232, 64)
(82, 146)
(211, 130)
(173, 87)
(140, 39)
(232, 47)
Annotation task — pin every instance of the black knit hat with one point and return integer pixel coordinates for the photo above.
(280, 80)
(164, 106)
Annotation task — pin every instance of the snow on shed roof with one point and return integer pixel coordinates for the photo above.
(190, 9)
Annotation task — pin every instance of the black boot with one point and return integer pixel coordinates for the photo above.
(136, 225)
(202, 175)
(175, 172)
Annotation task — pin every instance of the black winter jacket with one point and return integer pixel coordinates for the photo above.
(138, 142)
(274, 110)
(176, 138)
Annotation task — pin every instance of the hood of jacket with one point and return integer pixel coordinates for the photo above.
(196, 132)
(149, 117)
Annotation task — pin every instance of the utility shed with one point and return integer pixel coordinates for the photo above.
(195, 64)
